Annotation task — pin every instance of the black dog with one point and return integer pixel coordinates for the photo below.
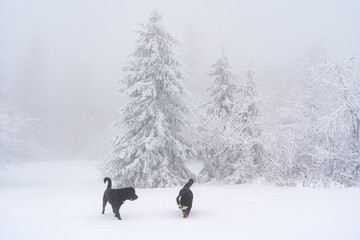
(185, 198)
(116, 197)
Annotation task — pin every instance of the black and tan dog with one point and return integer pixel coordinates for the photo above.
(116, 197)
(185, 199)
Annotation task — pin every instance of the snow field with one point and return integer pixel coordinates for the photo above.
(62, 200)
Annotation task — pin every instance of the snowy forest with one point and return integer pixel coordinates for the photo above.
(308, 136)
(315, 139)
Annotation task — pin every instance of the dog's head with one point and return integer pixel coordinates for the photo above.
(130, 194)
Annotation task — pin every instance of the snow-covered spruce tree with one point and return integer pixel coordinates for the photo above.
(323, 109)
(16, 131)
(223, 89)
(151, 153)
(215, 121)
(245, 160)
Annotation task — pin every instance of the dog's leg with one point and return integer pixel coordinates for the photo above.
(113, 208)
(185, 215)
(188, 211)
(104, 203)
(117, 212)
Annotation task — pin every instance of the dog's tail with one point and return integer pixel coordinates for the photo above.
(107, 179)
(189, 183)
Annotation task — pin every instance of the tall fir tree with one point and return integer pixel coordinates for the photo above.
(215, 123)
(245, 161)
(16, 130)
(223, 89)
(235, 152)
(151, 153)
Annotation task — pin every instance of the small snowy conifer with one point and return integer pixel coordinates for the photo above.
(223, 89)
(245, 160)
(215, 128)
(16, 131)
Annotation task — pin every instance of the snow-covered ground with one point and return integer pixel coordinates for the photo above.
(62, 200)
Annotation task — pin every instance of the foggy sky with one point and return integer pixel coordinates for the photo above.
(77, 49)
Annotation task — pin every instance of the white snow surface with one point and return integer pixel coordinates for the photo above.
(62, 200)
